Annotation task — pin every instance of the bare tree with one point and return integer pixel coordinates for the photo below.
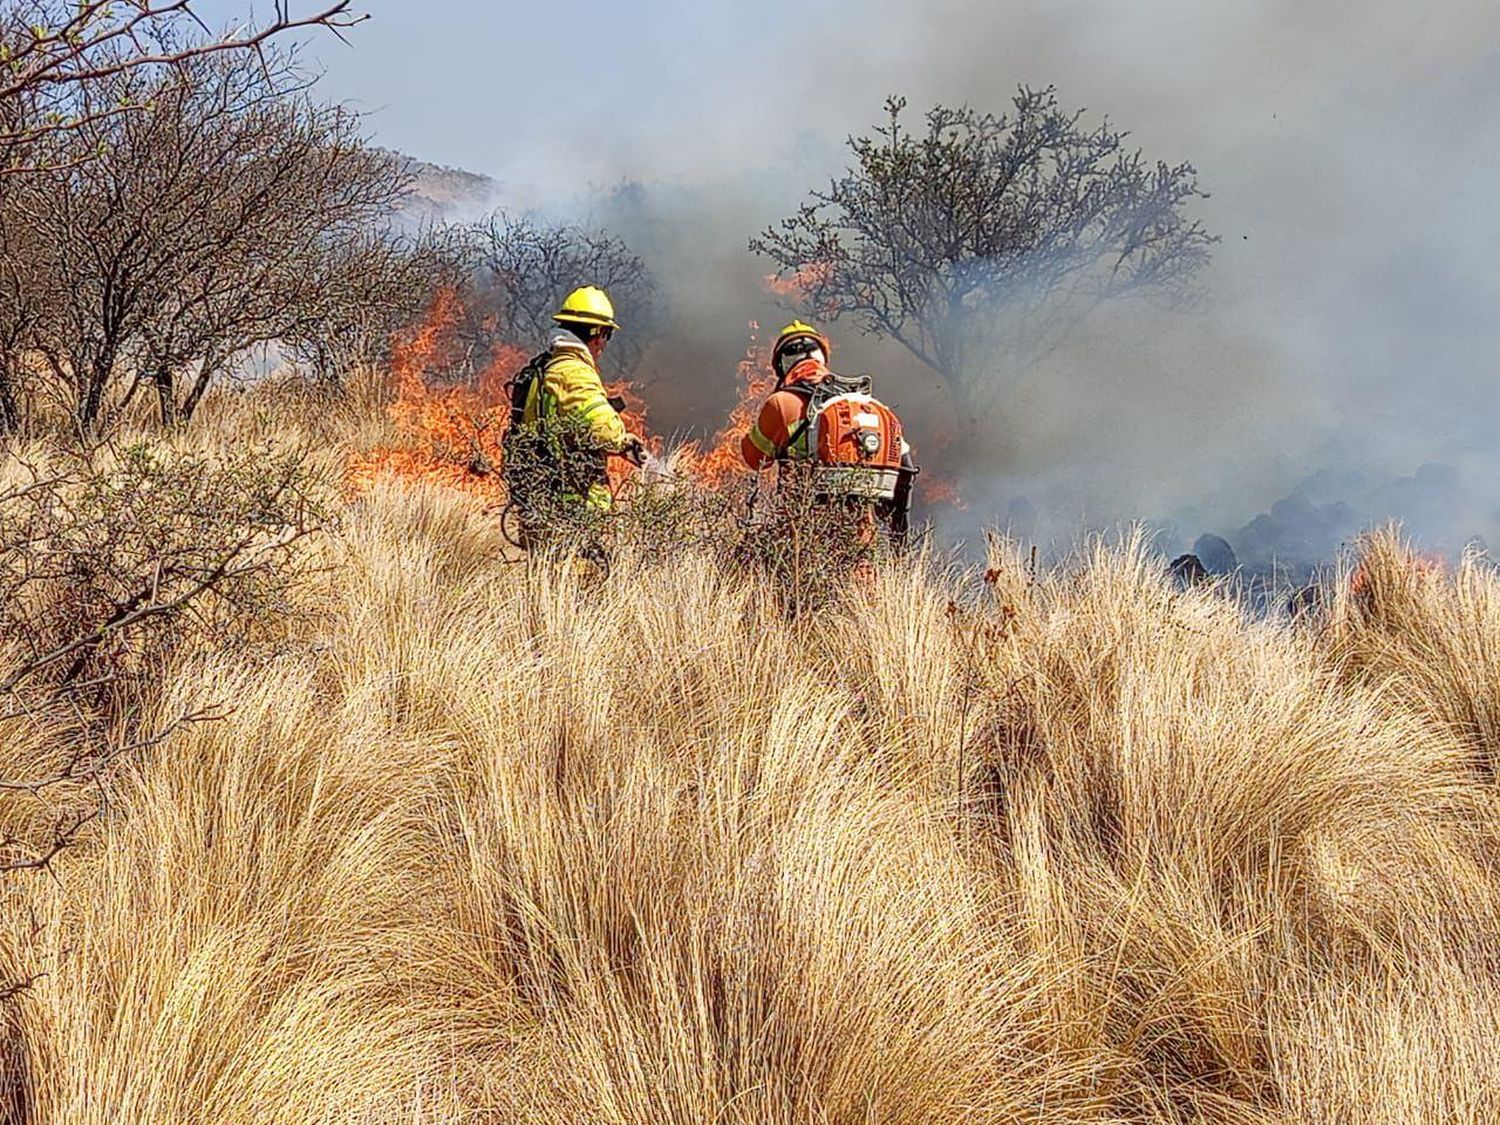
(189, 239)
(28, 295)
(523, 268)
(362, 290)
(982, 234)
(52, 49)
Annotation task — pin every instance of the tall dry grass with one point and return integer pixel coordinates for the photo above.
(494, 841)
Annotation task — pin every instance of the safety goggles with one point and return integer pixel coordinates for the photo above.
(798, 350)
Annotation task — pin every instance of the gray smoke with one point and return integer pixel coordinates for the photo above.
(1346, 331)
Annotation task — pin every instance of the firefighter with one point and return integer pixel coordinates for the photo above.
(782, 431)
(800, 360)
(569, 387)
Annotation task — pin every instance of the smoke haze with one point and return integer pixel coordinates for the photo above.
(1350, 149)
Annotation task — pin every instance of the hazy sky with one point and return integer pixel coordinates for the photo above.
(681, 87)
(1352, 149)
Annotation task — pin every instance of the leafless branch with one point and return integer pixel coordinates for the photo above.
(217, 222)
(522, 269)
(48, 50)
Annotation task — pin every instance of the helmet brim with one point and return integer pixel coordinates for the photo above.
(593, 320)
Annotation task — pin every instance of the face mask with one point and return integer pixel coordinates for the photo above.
(797, 353)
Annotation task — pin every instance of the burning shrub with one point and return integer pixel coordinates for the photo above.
(450, 433)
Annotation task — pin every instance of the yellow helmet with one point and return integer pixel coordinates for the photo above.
(798, 330)
(587, 304)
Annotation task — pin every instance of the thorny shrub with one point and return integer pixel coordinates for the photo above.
(662, 512)
(106, 567)
(110, 563)
(548, 472)
(804, 544)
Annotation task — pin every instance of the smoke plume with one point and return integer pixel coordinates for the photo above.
(1345, 341)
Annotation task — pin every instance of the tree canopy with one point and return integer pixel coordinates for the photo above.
(980, 239)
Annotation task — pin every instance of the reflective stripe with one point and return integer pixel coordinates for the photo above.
(801, 442)
(761, 442)
(589, 408)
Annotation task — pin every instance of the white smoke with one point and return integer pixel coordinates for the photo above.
(1351, 149)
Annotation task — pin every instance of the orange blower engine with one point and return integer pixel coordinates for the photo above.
(858, 450)
(858, 447)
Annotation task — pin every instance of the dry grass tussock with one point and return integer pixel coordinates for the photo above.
(488, 841)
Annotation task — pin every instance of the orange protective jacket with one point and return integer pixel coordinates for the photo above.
(779, 431)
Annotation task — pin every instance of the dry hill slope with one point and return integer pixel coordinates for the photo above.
(480, 843)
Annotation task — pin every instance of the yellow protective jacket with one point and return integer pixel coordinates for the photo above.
(570, 387)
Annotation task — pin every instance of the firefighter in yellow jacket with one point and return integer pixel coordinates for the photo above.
(570, 386)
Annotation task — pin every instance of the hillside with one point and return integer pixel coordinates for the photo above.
(479, 840)
(439, 192)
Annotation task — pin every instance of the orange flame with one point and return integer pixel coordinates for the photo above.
(721, 464)
(801, 281)
(633, 415)
(936, 490)
(935, 485)
(451, 435)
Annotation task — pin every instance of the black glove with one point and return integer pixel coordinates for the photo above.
(633, 449)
